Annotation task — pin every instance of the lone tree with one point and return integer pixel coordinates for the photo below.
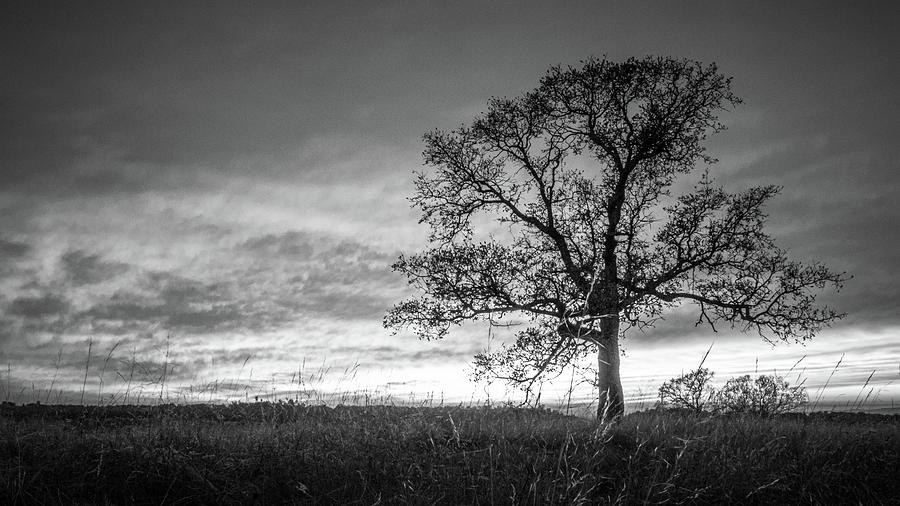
(554, 210)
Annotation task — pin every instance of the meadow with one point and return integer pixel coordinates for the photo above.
(289, 453)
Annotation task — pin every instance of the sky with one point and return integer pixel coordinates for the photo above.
(202, 200)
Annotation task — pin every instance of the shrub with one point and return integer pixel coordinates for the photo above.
(766, 396)
(689, 391)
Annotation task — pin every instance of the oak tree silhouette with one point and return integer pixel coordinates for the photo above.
(554, 209)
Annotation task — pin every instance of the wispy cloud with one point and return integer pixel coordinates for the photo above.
(84, 269)
(34, 308)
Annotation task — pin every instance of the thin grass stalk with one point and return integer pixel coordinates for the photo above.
(87, 365)
(863, 389)
(55, 375)
(822, 390)
(8, 376)
(165, 371)
(103, 371)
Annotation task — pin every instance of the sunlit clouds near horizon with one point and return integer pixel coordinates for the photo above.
(203, 204)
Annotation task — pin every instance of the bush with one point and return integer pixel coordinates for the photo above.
(766, 396)
(689, 391)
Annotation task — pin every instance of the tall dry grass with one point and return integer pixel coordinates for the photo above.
(284, 453)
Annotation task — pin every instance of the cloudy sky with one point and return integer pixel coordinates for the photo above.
(221, 187)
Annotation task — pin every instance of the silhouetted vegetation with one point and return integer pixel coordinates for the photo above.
(691, 391)
(588, 241)
(767, 395)
(278, 453)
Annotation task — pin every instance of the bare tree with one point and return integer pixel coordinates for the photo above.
(587, 241)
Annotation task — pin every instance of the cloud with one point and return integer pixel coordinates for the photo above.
(208, 319)
(271, 280)
(12, 255)
(38, 307)
(293, 243)
(344, 306)
(85, 269)
(13, 250)
(322, 276)
(306, 246)
(166, 300)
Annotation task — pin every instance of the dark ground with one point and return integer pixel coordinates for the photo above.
(267, 453)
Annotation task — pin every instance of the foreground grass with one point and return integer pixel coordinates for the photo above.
(282, 454)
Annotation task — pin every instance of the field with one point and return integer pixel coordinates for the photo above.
(277, 453)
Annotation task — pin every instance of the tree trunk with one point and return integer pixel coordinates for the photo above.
(611, 400)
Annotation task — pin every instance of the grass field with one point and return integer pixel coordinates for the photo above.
(274, 453)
